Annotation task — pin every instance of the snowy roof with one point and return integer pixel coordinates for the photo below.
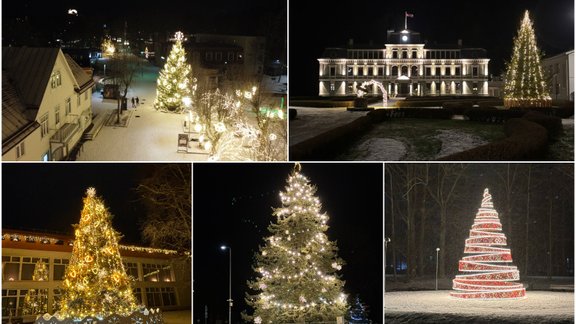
(29, 69)
(83, 80)
(274, 84)
(15, 124)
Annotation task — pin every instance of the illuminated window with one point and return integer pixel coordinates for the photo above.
(28, 265)
(55, 79)
(164, 296)
(157, 272)
(132, 270)
(138, 294)
(332, 87)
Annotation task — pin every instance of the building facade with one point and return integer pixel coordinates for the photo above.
(405, 66)
(48, 89)
(560, 71)
(161, 278)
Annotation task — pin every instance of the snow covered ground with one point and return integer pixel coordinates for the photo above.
(177, 317)
(438, 306)
(150, 136)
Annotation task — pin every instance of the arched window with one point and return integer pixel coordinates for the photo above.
(414, 70)
(404, 70)
(404, 54)
(414, 54)
(395, 70)
(394, 54)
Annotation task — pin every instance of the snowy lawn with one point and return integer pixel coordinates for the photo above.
(562, 149)
(177, 317)
(438, 306)
(421, 139)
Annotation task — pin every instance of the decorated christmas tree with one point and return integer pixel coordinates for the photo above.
(174, 80)
(489, 274)
(358, 313)
(297, 267)
(525, 85)
(36, 300)
(95, 282)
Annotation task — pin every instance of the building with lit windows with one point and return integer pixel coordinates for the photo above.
(161, 277)
(46, 104)
(405, 66)
(560, 71)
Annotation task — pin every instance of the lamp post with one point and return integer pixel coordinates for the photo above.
(386, 241)
(224, 247)
(437, 250)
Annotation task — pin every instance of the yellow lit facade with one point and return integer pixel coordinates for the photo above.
(405, 66)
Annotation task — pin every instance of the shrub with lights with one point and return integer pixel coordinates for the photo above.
(173, 88)
(525, 84)
(95, 285)
(297, 268)
(489, 274)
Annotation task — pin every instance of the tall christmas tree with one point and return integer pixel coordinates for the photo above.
(525, 84)
(95, 282)
(174, 79)
(36, 300)
(297, 267)
(488, 273)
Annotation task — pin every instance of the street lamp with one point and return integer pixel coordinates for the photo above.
(437, 250)
(224, 247)
(386, 241)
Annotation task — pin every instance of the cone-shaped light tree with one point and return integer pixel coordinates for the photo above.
(525, 84)
(95, 282)
(36, 300)
(174, 80)
(489, 274)
(297, 267)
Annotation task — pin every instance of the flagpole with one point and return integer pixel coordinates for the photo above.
(405, 21)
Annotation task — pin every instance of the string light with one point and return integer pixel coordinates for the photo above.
(490, 279)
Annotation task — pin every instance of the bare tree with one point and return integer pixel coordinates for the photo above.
(123, 68)
(167, 195)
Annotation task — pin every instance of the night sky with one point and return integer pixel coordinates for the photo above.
(48, 196)
(488, 24)
(232, 205)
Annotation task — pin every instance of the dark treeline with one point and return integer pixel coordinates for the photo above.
(431, 206)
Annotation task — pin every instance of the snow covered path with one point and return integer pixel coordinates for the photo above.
(150, 135)
(438, 306)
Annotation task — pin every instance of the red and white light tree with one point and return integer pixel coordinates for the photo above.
(488, 273)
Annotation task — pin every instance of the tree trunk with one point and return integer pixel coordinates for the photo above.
(422, 228)
(527, 233)
(442, 243)
(550, 238)
(393, 231)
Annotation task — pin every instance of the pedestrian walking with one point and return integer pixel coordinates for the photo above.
(137, 101)
(133, 105)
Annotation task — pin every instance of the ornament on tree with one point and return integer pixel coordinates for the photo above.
(488, 274)
(174, 88)
(525, 84)
(298, 264)
(95, 282)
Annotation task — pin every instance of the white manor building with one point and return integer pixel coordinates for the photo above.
(405, 66)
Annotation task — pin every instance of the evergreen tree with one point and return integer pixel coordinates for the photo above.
(525, 84)
(358, 312)
(488, 274)
(95, 282)
(297, 267)
(36, 300)
(174, 79)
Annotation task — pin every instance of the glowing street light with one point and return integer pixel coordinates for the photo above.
(223, 248)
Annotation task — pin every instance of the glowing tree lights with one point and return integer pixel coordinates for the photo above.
(36, 300)
(525, 84)
(297, 278)
(488, 273)
(174, 80)
(95, 283)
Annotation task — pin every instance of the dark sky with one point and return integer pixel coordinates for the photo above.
(226, 16)
(488, 24)
(48, 196)
(232, 204)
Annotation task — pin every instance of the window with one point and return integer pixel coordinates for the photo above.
(55, 79)
(60, 268)
(44, 125)
(332, 87)
(404, 70)
(380, 71)
(78, 101)
(86, 94)
(475, 71)
(57, 115)
(428, 70)
(138, 294)
(230, 56)
(414, 54)
(350, 71)
(437, 71)
(218, 56)
(370, 71)
(332, 70)
(209, 56)
(28, 266)
(132, 270)
(394, 70)
(161, 296)
(57, 293)
(394, 54)
(11, 271)
(447, 71)
(457, 70)
(404, 54)
(20, 150)
(157, 272)
(68, 107)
